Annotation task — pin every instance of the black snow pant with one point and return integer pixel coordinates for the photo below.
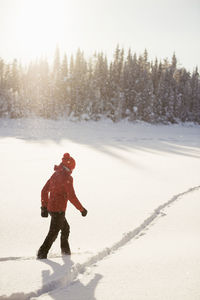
(58, 223)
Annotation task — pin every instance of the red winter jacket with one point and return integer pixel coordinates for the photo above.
(58, 190)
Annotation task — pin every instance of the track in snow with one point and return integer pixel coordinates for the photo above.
(80, 268)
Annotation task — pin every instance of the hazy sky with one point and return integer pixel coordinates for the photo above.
(31, 28)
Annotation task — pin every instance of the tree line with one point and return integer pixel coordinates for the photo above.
(129, 86)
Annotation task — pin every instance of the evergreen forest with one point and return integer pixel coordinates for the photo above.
(129, 86)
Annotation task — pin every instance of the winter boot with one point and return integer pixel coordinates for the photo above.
(41, 255)
(66, 250)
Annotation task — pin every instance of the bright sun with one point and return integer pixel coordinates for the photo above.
(43, 24)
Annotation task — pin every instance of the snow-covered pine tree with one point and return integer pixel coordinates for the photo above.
(130, 80)
(194, 108)
(64, 106)
(183, 92)
(79, 84)
(116, 86)
(100, 86)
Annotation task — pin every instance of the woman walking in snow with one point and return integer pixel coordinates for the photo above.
(55, 194)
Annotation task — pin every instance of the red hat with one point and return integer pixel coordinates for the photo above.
(68, 161)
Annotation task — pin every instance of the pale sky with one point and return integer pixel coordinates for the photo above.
(33, 28)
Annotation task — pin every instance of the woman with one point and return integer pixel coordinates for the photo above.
(54, 197)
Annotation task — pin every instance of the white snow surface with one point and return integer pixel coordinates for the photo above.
(140, 184)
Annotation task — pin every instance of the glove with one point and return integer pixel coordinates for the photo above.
(44, 212)
(84, 212)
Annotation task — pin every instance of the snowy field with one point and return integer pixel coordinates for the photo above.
(141, 186)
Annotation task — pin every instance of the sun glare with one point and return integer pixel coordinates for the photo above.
(42, 25)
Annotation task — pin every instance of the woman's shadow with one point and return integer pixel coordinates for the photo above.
(61, 278)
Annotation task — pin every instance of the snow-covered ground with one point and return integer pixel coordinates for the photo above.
(128, 176)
